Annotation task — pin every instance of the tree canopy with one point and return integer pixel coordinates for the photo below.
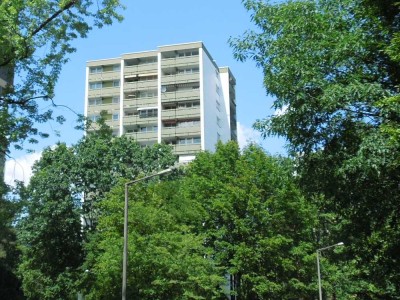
(333, 69)
(167, 258)
(50, 228)
(260, 227)
(36, 38)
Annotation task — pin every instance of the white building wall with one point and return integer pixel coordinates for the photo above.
(215, 121)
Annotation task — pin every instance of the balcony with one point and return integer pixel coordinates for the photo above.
(104, 92)
(101, 107)
(171, 114)
(137, 69)
(180, 95)
(140, 85)
(180, 78)
(186, 149)
(136, 120)
(114, 124)
(140, 102)
(179, 61)
(104, 76)
(143, 136)
(168, 132)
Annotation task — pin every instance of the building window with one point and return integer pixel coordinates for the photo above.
(117, 68)
(115, 117)
(115, 83)
(148, 113)
(189, 104)
(188, 123)
(218, 137)
(148, 60)
(189, 70)
(95, 70)
(217, 89)
(115, 99)
(95, 85)
(148, 129)
(218, 122)
(188, 53)
(95, 101)
(170, 125)
(189, 141)
(94, 118)
(144, 94)
(218, 105)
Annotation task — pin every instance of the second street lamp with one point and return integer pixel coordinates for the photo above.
(318, 266)
(125, 253)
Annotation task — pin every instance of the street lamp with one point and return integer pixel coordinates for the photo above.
(318, 269)
(125, 253)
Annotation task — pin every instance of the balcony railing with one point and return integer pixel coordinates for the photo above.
(180, 78)
(104, 92)
(180, 95)
(140, 102)
(180, 131)
(137, 69)
(140, 85)
(135, 119)
(104, 76)
(143, 136)
(180, 113)
(179, 61)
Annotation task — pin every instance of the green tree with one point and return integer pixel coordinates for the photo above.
(333, 70)
(50, 231)
(259, 225)
(102, 160)
(36, 38)
(167, 259)
(9, 283)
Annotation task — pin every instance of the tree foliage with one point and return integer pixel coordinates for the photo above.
(9, 283)
(36, 38)
(333, 69)
(232, 213)
(260, 227)
(50, 231)
(167, 258)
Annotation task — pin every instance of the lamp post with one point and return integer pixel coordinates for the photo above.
(125, 253)
(318, 268)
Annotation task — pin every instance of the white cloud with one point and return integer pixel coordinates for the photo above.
(20, 168)
(247, 135)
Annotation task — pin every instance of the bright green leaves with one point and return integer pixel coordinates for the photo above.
(321, 62)
(167, 259)
(256, 221)
(50, 231)
(234, 214)
(333, 68)
(35, 40)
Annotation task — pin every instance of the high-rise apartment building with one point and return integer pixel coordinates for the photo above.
(176, 95)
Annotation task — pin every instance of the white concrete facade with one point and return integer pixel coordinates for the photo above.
(175, 95)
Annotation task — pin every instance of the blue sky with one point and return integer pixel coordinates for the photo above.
(153, 23)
